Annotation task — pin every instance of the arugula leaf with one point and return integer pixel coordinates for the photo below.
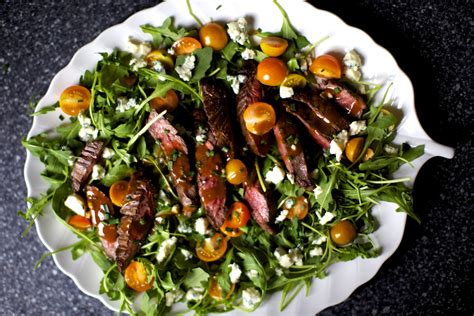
(164, 34)
(230, 50)
(117, 173)
(287, 30)
(204, 58)
(195, 278)
(46, 109)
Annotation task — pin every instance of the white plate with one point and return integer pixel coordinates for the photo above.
(379, 66)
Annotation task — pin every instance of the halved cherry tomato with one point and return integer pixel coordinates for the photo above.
(79, 222)
(294, 81)
(161, 56)
(118, 191)
(271, 71)
(136, 277)
(236, 171)
(368, 154)
(168, 103)
(215, 290)
(353, 148)
(273, 46)
(231, 232)
(298, 208)
(74, 99)
(326, 66)
(213, 35)
(186, 45)
(212, 249)
(343, 233)
(237, 215)
(259, 118)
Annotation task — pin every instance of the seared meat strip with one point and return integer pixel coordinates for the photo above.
(351, 102)
(291, 150)
(317, 128)
(176, 151)
(250, 92)
(209, 165)
(218, 105)
(102, 210)
(83, 166)
(138, 214)
(326, 112)
(262, 205)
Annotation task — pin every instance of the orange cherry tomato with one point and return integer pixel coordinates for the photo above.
(186, 45)
(299, 207)
(273, 46)
(343, 233)
(161, 56)
(168, 103)
(354, 148)
(74, 99)
(326, 66)
(79, 222)
(236, 171)
(136, 277)
(237, 215)
(215, 290)
(118, 191)
(212, 249)
(259, 118)
(231, 232)
(271, 71)
(213, 35)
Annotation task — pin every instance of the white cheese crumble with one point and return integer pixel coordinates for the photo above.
(108, 153)
(391, 150)
(138, 48)
(286, 92)
(317, 191)
(316, 252)
(327, 217)
(248, 54)
(291, 178)
(185, 71)
(158, 66)
(235, 272)
(160, 220)
(252, 274)
(278, 272)
(250, 297)
(184, 229)
(87, 131)
(124, 104)
(356, 127)
(201, 138)
(194, 294)
(237, 31)
(287, 259)
(173, 296)
(171, 51)
(201, 226)
(282, 216)
(319, 241)
(76, 204)
(137, 63)
(98, 172)
(275, 175)
(187, 254)
(352, 63)
(165, 249)
(235, 82)
(338, 144)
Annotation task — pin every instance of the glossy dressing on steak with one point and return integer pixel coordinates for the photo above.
(211, 184)
(291, 151)
(176, 151)
(262, 205)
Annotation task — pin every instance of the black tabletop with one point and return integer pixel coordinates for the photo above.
(430, 273)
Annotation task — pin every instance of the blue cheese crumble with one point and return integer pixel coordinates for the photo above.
(185, 71)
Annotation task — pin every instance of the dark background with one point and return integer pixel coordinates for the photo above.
(431, 272)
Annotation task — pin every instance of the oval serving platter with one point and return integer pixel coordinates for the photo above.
(379, 66)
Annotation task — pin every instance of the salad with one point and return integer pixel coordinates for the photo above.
(213, 166)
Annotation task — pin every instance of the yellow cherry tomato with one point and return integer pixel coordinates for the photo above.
(213, 35)
(212, 249)
(236, 171)
(118, 191)
(297, 207)
(214, 290)
(74, 99)
(353, 148)
(136, 277)
(158, 55)
(186, 45)
(271, 71)
(326, 66)
(273, 46)
(259, 118)
(169, 102)
(343, 233)
(294, 81)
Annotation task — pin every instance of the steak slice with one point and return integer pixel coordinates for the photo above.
(176, 152)
(211, 185)
(353, 103)
(138, 214)
(262, 205)
(251, 92)
(83, 166)
(325, 111)
(291, 150)
(217, 106)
